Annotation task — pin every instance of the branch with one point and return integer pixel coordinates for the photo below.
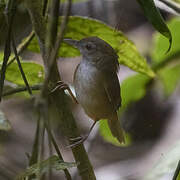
(35, 9)
(21, 47)
(20, 67)
(57, 99)
(21, 89)
(53, 54)
(9, 12)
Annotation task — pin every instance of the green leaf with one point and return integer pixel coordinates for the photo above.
(105, 132)
(4, 122)
(161, 43)
(154, 16)
(178, 178)
(178, 1)
(166, 165)
(43, 167)
(128, 54)
(34, 73)
(132, 89)
(170, 78)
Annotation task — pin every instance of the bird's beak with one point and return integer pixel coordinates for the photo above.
(72, 42)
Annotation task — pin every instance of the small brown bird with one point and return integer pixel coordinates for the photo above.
(96, 83)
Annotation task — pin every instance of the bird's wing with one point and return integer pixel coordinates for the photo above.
(112, 89)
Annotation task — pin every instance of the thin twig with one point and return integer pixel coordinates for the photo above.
(45, 117)
(35, 149)
(41, 147)
(53, 141)
(9, 14)
(59, 103)
(177, 171)
(54, 51)
(89, 144)
(45, 5)
(49, 174)
(50, 41)
(20, 67)
(21, 89)
(21, 47)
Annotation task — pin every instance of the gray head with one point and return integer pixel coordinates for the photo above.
(96, 51)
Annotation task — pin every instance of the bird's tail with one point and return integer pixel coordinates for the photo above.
(115, 127)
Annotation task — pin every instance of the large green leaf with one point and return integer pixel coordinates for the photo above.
(132, 89)
(81, 27)
(33, 71)
(169, 75)
(170, 78)
(43, 167)
(161, 43)
(154, 16)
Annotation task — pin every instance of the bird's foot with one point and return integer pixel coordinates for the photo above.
(64, 86)
(76, 141)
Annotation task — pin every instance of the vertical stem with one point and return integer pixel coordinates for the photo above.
(58, 98)
(9, 12)
(68, 176)
(20, 66)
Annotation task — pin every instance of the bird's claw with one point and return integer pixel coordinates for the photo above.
(60, 85)
(78, 140)
(64, 86)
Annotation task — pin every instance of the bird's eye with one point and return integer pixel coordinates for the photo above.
(90, 46)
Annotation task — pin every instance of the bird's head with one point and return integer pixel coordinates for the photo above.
(95, 50)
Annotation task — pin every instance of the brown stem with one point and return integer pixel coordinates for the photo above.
(58, 99)
(21, 47)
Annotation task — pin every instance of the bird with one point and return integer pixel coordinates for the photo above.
(96, 83)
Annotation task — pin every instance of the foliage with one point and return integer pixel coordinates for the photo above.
(129, 95)
(161, 43)
(170, 75)
(34, 72)
(128, 54)
(43, 167)
(154, 16)
(132, 89)
(106, 134)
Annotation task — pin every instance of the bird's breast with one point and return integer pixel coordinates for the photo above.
(88, 83)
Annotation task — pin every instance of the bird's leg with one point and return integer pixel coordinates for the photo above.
(81, 139)
(64, 86)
